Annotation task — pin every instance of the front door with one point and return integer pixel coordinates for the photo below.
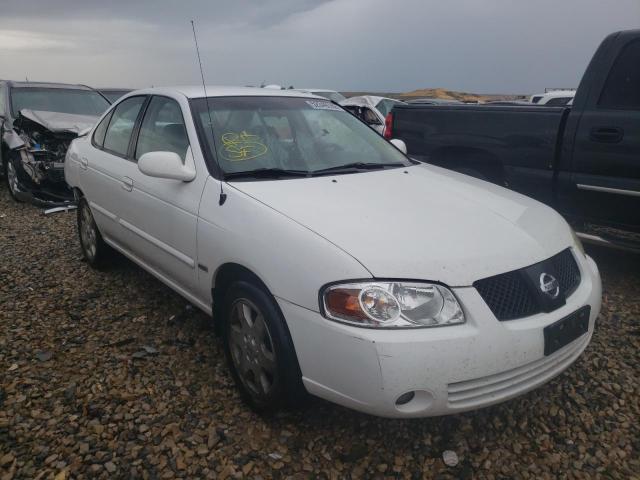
(162, 213)
(606, 158)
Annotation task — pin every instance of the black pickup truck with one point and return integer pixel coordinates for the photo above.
(583, 160)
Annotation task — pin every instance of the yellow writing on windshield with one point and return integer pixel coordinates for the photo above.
(242, 146)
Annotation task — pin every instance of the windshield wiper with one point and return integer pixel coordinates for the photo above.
(350, 167)
(267, 173)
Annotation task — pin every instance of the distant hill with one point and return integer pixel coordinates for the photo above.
(439, 93)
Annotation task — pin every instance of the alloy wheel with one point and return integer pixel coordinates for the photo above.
(252, 349)
(88, 234)
(12, 178)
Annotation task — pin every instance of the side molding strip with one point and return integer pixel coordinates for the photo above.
(161, 245)
(619, 191)
(103, 211)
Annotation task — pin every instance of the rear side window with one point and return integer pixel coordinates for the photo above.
(622, 89)
(122, 122)
(101, 130)
(163, 129)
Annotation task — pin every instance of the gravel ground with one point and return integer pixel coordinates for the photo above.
(112, 375)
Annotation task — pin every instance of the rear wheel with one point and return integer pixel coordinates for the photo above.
(259, 349)
(94, 249)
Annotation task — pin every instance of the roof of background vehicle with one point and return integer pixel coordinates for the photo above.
(556, 93)
(434, 101)
(368, 100)
(14, 83)
(315, 90)
(114, 89)
(197, 91)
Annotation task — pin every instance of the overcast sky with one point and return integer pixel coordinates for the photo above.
(483, 46)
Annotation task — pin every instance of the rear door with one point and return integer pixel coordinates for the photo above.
(106, 167)
(606, 155)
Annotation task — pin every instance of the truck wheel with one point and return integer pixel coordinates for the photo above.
(12, 178)
(259, 349)
(94, 249)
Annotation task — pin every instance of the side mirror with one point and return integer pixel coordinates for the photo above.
(165, 165)
(400, 145)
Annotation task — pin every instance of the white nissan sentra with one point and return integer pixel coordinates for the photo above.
(330, 261)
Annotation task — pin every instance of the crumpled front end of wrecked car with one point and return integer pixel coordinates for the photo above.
(37, 145)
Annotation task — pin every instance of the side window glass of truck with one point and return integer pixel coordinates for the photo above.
(122, 121)
(622, 88)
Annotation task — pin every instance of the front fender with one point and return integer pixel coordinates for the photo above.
(292, 261)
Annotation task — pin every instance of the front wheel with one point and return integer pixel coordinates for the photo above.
(94, 249)
(259, 349)
(12, 179)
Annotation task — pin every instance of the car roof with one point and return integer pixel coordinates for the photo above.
(434, 100)
(556, 93)
(324, 90)
(13, 83)
(197, 91)
(114, 89)
(371, 100)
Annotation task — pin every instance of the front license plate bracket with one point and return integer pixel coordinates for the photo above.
(566, 330)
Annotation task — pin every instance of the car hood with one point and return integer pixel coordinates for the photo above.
(420, 222)
(59, 122)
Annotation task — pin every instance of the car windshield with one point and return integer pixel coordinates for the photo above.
(386, 104)
(333, 96)
(302, 135)
(60, 100)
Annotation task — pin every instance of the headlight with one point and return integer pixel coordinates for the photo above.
(392, 304)
(577, 242)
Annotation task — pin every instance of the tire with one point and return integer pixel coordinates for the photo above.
(259, 349)
(94, 249)
(12, 178)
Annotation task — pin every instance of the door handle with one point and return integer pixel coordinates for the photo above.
(84, 163)
(127, 184)
(606, 134)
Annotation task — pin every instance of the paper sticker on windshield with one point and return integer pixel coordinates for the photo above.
(323, 105)
(242, 146)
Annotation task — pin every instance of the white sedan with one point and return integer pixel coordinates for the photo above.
(331, 263)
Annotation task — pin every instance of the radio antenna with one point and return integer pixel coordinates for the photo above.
(223, 196)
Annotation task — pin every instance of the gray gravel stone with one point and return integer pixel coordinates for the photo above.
(101, 413)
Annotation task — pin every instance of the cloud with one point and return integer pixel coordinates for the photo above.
(489, 46)
(19, 40)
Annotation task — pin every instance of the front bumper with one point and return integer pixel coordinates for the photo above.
(451, 369)
(45, 187)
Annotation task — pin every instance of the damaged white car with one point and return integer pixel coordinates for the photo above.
(371, 109)
(38, 122)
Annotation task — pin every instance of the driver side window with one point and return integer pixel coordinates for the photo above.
(163, 129)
